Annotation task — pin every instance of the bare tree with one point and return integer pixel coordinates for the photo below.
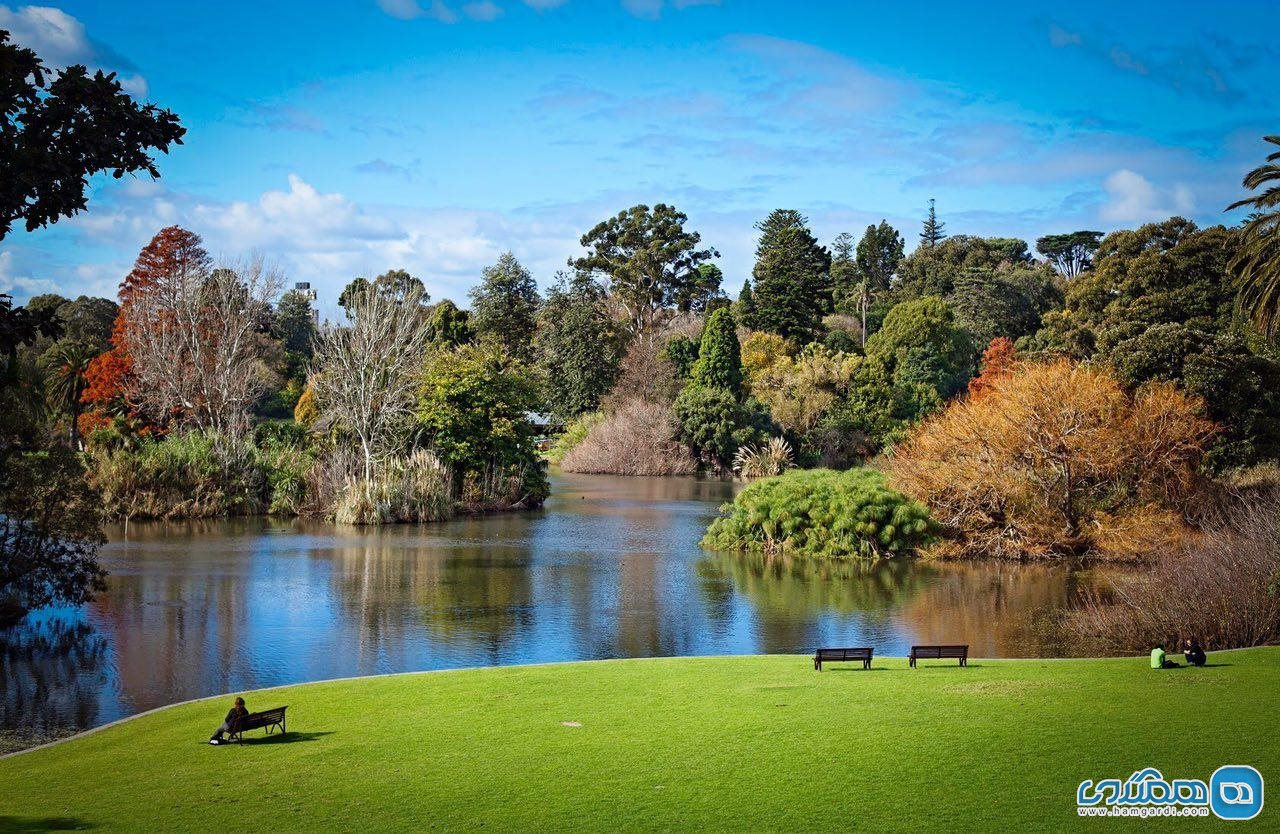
(194, 343)
(363, 374)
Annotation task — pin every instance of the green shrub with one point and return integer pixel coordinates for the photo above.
(573, 434)
(821, 512)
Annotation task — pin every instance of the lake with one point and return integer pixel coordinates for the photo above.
(609, 568)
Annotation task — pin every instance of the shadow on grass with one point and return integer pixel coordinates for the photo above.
(1213, 665)
(859, 669)
(277, 738)
(947, 666)
(23, 824)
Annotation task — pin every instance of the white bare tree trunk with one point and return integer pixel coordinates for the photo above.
(193, 341)
(364, 374)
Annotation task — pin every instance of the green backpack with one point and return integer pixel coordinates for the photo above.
(1157, 658)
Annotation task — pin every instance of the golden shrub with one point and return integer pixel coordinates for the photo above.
(1058, 459)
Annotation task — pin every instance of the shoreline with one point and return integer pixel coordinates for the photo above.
(354, 678)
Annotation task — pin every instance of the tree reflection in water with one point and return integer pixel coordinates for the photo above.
(51, 673)
(610, 568)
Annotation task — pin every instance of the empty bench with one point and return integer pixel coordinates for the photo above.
(828, 655)
(939, 653)
(270, 720)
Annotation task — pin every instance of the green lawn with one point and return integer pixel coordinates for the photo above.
(720, 743)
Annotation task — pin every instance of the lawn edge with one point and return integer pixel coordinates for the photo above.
(352, 678)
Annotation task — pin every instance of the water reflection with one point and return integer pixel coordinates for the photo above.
(610, 568)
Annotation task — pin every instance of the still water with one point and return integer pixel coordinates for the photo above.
(609, 568)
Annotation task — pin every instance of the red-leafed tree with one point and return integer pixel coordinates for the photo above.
(998, 361)
(173, 252)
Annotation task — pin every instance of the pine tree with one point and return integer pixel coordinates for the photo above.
(745, 309)
(934, 230)
(792, 278)
(719, 362)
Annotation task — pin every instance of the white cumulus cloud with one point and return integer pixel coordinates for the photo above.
(1132, 198)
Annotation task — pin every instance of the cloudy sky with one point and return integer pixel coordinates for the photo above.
(343, 139)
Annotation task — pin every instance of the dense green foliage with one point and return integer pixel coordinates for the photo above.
(449, 326)
(1070, 253)
(821, 512)
(578, 347)
(504, 306)
(920, 342)
(1159, 304)
(597, 744)
(713, 422)
(719, 362)
(651, 261)
(472, 407)
(792, 278)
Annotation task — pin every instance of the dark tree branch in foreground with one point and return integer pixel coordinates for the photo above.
(57, 133)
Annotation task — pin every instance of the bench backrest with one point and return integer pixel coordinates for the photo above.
(254, 720)
(939, 651)
(855, 653)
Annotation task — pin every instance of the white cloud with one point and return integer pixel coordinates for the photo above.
(21, 286)
(647, 9)
(61, 40)
(410, 9)
(328, 239)
(1132, 198)
(484, 10)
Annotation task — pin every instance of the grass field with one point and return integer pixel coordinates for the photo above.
(707, 743)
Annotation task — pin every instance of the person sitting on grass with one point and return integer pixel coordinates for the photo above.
(1160, 661)
(1193, 652)
(237, 714)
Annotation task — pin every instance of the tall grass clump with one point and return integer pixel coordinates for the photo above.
(194, 475)
(822, 513)
(403, 489)
(763, 461)
(633, 439)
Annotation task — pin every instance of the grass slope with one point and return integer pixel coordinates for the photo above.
(720, 743)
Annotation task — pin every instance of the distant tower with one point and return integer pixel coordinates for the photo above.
(304, 287)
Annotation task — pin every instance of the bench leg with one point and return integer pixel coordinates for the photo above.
(817, 664)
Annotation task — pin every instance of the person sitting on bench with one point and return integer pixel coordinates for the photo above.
(1160, 661)
(237, 714)
(1193, 652)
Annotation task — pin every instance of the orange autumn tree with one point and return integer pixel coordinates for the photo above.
(997, 362)
(1057, 459)
(110, 377)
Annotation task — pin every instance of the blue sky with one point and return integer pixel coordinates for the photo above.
(343, 139)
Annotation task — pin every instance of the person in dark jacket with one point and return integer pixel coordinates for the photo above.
(1193, 652)
(238, 712)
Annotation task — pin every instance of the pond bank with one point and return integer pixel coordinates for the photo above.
(664, 743)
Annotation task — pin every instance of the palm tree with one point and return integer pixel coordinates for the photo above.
(1257, 262)
(66, 364)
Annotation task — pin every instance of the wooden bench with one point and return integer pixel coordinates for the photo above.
(270, 720)
(828, 655)
(939, 653)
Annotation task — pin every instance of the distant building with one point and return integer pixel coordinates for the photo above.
(304, 287)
